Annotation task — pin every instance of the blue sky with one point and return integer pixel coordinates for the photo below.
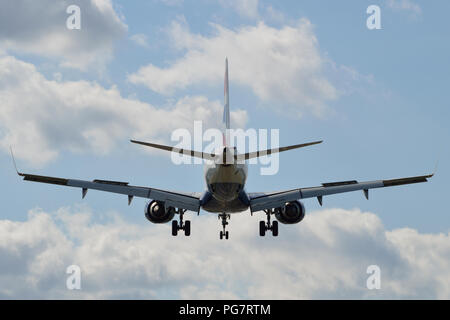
(385, 117)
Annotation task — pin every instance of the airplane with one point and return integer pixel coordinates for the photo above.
(225, 194)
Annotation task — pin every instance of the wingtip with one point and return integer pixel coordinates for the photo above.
(428, 177)
(431, 175)
(14, 161)
(435, 168)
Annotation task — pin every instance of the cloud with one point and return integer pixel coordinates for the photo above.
(245, 8)
(325, 256)
(405, 5)
(140, 39)
(39, 27)
(42, 117)
(278, 65)
(274, 15)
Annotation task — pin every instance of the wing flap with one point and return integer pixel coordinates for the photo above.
(399, 182)
(118, 183)
(44, 179)
(340, 183)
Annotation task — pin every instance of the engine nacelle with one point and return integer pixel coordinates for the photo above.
(290, 213)
(156, 212)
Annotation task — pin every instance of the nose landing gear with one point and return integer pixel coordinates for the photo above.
(263, 226)
(185, 226)
(224, 233)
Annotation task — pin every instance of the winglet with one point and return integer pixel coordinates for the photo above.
(435, 168)
(14, 161)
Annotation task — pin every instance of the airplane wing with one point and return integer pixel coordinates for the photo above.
(188, 201)
(265, 201)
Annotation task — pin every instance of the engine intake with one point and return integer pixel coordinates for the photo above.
(290, 213)
(156, 212)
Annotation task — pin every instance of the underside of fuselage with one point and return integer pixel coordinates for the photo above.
(225, 185)
(214, 202)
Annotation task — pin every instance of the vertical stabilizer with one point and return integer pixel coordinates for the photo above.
(226, 108)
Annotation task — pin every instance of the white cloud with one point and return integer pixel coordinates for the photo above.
(42, 117)
(325, 256)
(140, 39)
(39, 27)
(405, 5)
(275, 15)
(279, 65)
(245, 8)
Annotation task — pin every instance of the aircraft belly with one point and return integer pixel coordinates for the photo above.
(234, 206)
(226, 174)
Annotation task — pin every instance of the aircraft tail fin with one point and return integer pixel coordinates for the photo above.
(226, 108)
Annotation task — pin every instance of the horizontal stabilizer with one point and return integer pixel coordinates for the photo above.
(211, 156)
(197, 154)
(251, 155)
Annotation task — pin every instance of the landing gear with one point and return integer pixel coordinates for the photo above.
(186, 226)
(174, 228)
(263, 226)
(224, 233)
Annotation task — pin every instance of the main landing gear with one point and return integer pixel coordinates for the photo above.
(263, 226)
(185, 226)
(224, 217)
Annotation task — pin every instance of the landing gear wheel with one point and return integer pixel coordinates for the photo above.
(187, 228)
(266, 226)
(224, 218)
(262, 228)
(174, 228)
(275, 228)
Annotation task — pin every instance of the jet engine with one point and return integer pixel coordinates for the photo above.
(156, 212)
(290, 213)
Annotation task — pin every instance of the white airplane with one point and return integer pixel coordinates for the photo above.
(225, 177)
